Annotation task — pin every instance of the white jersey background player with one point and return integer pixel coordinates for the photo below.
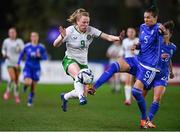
(11, 48)
(113, 53)
(78, 37)
(127, 44)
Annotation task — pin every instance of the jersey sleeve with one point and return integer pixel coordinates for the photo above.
(95, 32)
(68, 32)
(4, 48)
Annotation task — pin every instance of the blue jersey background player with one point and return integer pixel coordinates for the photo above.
(34, 52)
(160, 82)
(145, 64)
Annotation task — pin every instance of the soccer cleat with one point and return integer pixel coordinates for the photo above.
(143, 124)
(17, 100)
(82, 101)
(149, 124)
(29, 104)
(30, 100)
(63, 103)
(127, 102)
(6, 95)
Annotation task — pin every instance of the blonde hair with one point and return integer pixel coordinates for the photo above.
(77, 14)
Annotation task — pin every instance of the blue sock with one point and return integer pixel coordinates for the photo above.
(153, 110)
(141, 102)
(114, 67)
(30, 99)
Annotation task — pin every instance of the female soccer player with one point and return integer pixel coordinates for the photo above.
(127, 44)
(160, 82)
(11, 48)
(34, 52)
(145, 65)
(78, 37)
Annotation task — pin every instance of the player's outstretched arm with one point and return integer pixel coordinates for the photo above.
(60, 38)
(112, 38)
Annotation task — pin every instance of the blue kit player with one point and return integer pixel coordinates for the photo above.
(145, 65)
(160, 82)
(35, 52)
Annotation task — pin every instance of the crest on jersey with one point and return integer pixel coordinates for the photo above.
(88, 37)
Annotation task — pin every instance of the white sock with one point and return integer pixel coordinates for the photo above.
(71, 94)
(79, 88)
(127, 90)
(16, 92)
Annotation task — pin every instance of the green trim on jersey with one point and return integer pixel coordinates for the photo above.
(67, 61)
(100, 35)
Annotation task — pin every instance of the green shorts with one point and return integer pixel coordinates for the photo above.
(18, 69)
(67, 61)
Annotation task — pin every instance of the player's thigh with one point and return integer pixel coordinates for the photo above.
(124, 66)
(28, 81)
(18, 71)
(12, 73)
(158, 93)
(139, 84)
(73, 69)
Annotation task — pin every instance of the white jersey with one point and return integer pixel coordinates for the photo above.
(114, 51)
(12, 48)
(77, 43)
(127, 44)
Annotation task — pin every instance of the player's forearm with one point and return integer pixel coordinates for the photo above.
(110, 38)
(58, 41)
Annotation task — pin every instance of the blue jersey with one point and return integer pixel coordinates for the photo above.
(167, 52)
(31, 52)
(149, 38)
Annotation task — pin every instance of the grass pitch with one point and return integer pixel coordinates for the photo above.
(104, 112)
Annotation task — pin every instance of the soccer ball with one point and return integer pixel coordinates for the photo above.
(85, 76)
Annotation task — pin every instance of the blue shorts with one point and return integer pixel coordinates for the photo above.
(33, 73)
(144, 75)
(159, 80)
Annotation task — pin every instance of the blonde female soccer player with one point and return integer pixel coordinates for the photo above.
(78, 37)
(11, 48)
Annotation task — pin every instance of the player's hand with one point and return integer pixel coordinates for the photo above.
(134, 46)
(171, 75)
(121, 35)
(162, 29)
(62, 31)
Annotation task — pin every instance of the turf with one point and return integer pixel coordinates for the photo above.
(104, 112)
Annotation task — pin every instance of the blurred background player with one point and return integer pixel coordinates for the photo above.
(113, 53)
(127, 44)
(35, 52)
(78, 37)
(160, 82)
(11, 48)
